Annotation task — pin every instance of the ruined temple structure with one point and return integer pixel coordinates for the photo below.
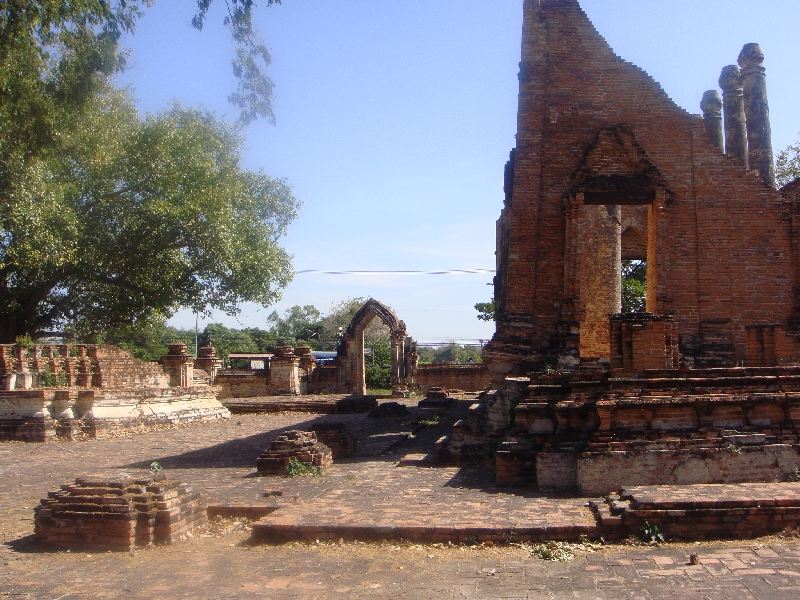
(95, 390)
(701, 387)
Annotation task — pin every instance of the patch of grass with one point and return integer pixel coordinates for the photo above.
(378, 392)
(296, 468)
(794, 476)
(556, 551)
(429, 422)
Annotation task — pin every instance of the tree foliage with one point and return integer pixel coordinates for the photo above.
(107, 219)
(451, 353)
(485, 310)
(298, 323)
(133, 218)
(254, 94)
(787, 167)
(338, 319)
(634, 286)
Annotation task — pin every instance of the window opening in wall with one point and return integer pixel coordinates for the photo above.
(634, 286)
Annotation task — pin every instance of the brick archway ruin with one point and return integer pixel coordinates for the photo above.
(611, 214)
(350, 358)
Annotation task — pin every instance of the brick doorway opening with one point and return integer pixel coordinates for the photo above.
(612, 215)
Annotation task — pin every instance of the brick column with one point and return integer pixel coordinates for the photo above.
(756, 108)
(735, 123)
(711, 106)
(179, 365)
(284, 372)
(208, 361)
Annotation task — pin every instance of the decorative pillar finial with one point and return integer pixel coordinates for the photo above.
(756, 107)
(733, 102)
(711, 105)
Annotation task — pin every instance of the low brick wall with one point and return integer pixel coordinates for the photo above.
(324, 380)
(470, 378)
(39, 414)
(243, 384)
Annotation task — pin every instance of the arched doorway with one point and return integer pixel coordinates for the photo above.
(350, 359)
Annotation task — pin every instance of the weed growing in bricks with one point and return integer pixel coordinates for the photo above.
(155, 467)
(296, 468)
(650, 534)
(794, 476)
(429, 422)
(46, 378)
(512, 537)
(734, 449)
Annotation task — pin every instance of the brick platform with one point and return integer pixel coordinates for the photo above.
(294, 445)
(334, 404)
(697, 512)
(117, 513)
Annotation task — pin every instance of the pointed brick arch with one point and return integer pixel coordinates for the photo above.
(350, 358)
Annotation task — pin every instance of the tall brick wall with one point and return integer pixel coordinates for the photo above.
(470, 378)
(595, 129)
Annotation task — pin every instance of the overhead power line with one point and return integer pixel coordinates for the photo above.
(445, 272)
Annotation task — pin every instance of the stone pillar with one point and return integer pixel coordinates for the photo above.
(735, 123)
(307, 365)
(284, 372)
(399, 387)
(600, 281)
(8, 368)
(307, 362)
(84, 378)
(179, 365)
(208, 360)
(756, 107)
(24, 378)
(411, 360)
(711, 106)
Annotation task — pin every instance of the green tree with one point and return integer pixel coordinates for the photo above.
(485, 310)
(147, 340)
(634, 286)
(787, 167)
(299, 323)
(451, 353)
(56, 54)
(339, 318)
(134, 218)
(228, 341)
(265, 341)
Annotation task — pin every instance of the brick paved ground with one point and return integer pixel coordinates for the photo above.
(218, 459)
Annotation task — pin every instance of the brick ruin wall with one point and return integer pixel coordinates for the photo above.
(96, 391)
(721, 243)
(469, 378)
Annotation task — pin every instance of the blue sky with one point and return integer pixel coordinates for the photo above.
(394, 121)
